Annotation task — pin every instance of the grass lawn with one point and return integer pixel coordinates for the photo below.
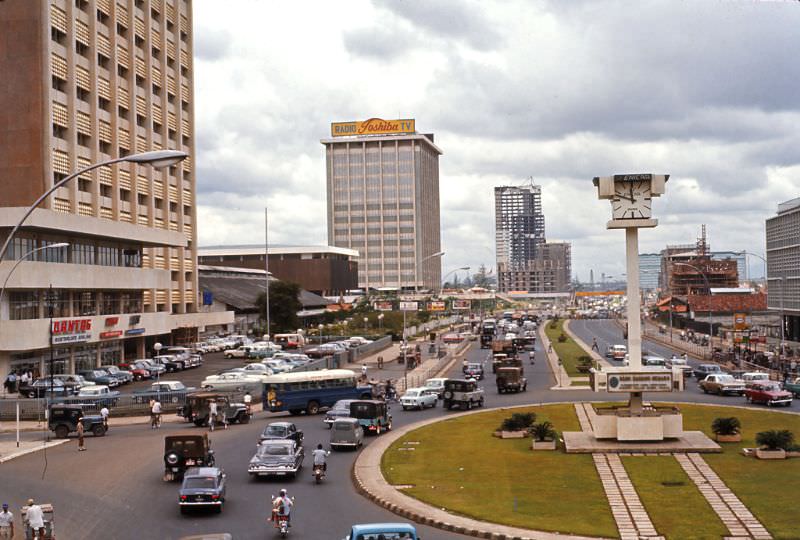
(458, 465)
(568, 351)
(768, 488)
(675, 505)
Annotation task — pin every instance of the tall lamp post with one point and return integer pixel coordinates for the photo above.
(380, 323)
(431, 256)
(710, 316)
(451, 272)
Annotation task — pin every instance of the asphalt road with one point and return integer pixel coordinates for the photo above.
(115, 490)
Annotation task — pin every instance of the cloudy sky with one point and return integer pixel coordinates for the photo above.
(707, 91)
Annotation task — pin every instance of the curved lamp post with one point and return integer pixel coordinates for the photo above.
(157, 158)
(451, 272)
(431, 256)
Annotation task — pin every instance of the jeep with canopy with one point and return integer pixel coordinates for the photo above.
(510, 379)
(184, 451)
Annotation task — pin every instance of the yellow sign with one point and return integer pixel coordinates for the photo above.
(740, 321)
(373, 126)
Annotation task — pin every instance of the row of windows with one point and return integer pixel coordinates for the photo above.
(77, 252)
(57, 303)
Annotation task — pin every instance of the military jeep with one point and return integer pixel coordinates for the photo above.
(63, 419)
(198, 408)
(465, 394)
(510, 379)
(184, 451)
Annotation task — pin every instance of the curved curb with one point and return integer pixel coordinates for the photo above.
(369, 482)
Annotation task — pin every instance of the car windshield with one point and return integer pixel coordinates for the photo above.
(726, 378)
(412, 393)
(342, 405)
(343, 426)
(385, 536)
(774, 387)
(363, 410)
(279, 431)
(273, 450)
(207, 482)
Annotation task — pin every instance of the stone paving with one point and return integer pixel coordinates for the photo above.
(734, 514)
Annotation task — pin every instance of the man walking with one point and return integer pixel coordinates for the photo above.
(81, 448)
(155, 414)
(104, 414)
(594, 345)
(35, 517)
(212, 414)
(6, 523)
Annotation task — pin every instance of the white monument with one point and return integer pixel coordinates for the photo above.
(631, 197)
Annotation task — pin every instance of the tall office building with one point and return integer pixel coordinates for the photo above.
(383, 201)
(84, 82)
(783, 266)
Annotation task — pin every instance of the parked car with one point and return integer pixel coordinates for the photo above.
(153, 368)
(417, 398)
(277, 457)
(172, 391)
(41, 388)
(170, 362)
(281, 430)
(240, 352)
(139, 373)
(235, 382)
(793, 387)
(197, 408)
(100, 394)
(346, 432)
(436, 384)
(184, 451)
(125, 377)
(510, 379)
(465, 394)
(258, 368)
(202, 487)
(704, 370)
(373, 415)
(63, 420)
(768, 393)
(722, 384)
(340, 409)
(100, 377)
(73, 382)
(387, 531)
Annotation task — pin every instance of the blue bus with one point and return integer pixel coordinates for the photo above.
(310, 390)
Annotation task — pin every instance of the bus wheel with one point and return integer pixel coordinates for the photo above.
(313, 407)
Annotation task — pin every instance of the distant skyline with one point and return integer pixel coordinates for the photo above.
(705, 91)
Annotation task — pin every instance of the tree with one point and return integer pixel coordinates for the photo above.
(481, 278)
(284, 303)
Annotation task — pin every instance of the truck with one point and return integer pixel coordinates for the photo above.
(502, 360)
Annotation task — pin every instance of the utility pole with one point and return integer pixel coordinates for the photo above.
(266, 266)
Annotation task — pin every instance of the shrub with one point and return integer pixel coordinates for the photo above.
(543, 431)
(775, 439)
(562, 338)
(518, 422)
(726, 426)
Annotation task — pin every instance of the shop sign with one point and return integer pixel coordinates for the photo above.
(383, 306)
(71, 331)
(740, 321)
(373, 126)
(112, 321)
(134, 331)
(110, 334)
(436, 306)
(409, 306)
(460, 304)
(639, 381)
(133, 320)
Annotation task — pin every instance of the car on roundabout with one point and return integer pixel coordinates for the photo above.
(340, 409)
(182, 452)
(63, 420)
(769, 393)
(466, 394)
(382, 531)
(202, 487)
(197, 408)
(372, 414)
(510, 379)
(474, 370)
(751, 377)
(417, 398)
(722, 384)
(277, 457)
(281, 431)
(793, 387)
(346, 432)
(704, 370)
(436, 385)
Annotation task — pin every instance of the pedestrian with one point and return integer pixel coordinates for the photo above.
(380, 362)
(104, 414)
(248, 400)
(594, 345)
(550, 347)
(6, 523)
(364, 371)
(12, 382)
(23, 380)
(212, 414)
(35, 517)
(81, 447)
(155, 414)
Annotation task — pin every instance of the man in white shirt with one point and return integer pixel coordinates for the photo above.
(35, 517)
(319, 457)
(104, 414)
(6, 523)
(155, 414)
(248, 399)
(212, 414)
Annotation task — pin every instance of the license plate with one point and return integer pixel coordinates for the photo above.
(174, 469)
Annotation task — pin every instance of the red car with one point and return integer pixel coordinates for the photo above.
(452, 338)
(769, 393)
(138, 373)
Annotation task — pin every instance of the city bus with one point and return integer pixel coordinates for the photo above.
(310, 390)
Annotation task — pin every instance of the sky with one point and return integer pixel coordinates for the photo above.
(556, 91)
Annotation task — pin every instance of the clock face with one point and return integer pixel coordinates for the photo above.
(632, 200)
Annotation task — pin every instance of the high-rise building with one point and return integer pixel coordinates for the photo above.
(85, 82)
(383, 201)
(783, 266)
(649, 270)
(525, 260)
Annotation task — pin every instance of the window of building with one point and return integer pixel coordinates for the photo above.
(140, 120)
(104, 104)
(105, 147)
(132, 257)
(56, 303)
(53, 255)
(102, 17)
(108, 256)
(85, 358)
(84, 303)
(122, 71)
(155, 51)
(142, 199)
(103, 60)
(156, 89)
(83, 5)
(58, 36)
(109, 302)
(139, 41)
(82, 49)
(85, 185)
(59, 132)
(131, 301)
(23, 305)
(59, 84)
(82, 253)
(122, 112)
(82, 94)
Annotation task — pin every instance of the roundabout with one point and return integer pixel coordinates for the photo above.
(451, 473)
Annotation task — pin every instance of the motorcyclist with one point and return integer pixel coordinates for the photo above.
(319, 456)
(282, 506)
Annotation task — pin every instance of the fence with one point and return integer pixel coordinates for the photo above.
(417, 378)
(432, 325)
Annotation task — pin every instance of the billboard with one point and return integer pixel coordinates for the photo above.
(409, 306)
(436, 306)
(461, 304)
(373, 126)
(639, 381)
(383, 306)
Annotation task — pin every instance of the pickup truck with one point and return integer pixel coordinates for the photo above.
(171, 389)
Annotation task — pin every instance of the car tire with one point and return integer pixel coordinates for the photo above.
(243, 418)
(62, 431)
(705, 390)
(99, 431)
(468, 405)
(405, 408)
(313, 407)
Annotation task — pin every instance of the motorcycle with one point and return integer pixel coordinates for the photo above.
(282, 524)
(318, 473)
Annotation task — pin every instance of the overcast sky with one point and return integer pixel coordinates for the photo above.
(560, 91)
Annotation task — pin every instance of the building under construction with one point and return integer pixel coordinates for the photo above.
(690, 269)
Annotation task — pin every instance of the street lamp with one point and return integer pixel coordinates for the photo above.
(366, 320)
(157, 158)
(431, 256)
(157, 347)
(380, 323)
(320, 326)
(444, 279)
(710, 316)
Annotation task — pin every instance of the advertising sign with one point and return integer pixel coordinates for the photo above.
(134, 331)
(639, 381)
(436, 306)
(71, 331)
(112, 321)
(740, 321)
(373, 126)
(133, 320)
(110, 334)
(409, 306)
(383, 306)
(461, 304)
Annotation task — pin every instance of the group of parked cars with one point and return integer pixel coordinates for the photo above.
(756, 387)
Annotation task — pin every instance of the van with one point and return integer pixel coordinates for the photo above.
(290, 341)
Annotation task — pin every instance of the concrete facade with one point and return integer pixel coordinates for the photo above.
(783, 266)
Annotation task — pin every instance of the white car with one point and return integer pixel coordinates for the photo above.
(436, 385)
(241, 352)
(752, 377)
(418, 398)
(257, 367)
(237, 382)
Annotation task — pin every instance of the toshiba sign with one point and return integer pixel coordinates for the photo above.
(71, 331)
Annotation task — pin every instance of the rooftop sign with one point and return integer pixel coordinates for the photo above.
(373, 126)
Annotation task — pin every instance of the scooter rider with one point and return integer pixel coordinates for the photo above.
(282, 506)
(319, 456)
